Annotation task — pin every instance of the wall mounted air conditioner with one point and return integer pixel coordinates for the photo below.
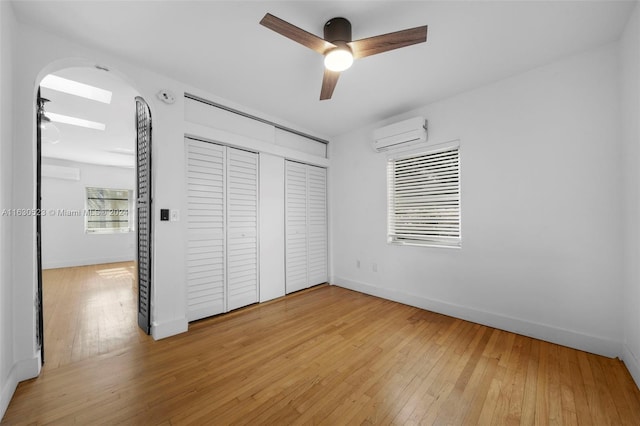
(403, 133)
(60, 172)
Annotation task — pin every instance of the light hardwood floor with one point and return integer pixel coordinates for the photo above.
(331, 356)
(88, 310)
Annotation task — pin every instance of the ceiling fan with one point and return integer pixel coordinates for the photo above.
(338, 49)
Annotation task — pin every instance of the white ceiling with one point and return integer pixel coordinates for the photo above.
(115, 146)
(220, 47)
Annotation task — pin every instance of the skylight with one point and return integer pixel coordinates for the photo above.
(74, 88)
(59, 118)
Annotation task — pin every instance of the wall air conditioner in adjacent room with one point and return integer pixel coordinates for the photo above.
(401, 134)
(60, 172)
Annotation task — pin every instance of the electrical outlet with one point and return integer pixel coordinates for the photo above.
(374, 267)
(358, 263)
(175, 215)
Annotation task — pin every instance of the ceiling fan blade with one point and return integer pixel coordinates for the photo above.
(383, 43)
(329, 81)
(296, 34)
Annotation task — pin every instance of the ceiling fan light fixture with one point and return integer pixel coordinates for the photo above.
(50, 132)
(338, 59)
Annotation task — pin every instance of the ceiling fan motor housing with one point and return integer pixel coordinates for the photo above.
(337, 29)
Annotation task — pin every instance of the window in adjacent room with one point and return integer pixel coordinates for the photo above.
(107, 210)
(424, 198)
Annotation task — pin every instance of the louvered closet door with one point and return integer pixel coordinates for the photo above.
(317, 224)
(296, 226)
(206, 176)
(242, 228)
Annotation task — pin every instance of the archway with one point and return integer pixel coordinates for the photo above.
(87, 176)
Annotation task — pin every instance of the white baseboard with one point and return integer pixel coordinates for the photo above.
(28, 368)
(10, 385)
(632, 363)
(23, 370)
(84, 262)
(169, 328)
(573, 339)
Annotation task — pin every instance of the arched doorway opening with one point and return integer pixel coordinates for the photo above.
(91, 123)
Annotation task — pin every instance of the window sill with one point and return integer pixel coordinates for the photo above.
(425, 244)
(129, 231)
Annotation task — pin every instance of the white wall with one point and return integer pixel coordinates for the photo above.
(64, 242)
(8, 378)
(541, 232)
(539, 245)
(40, 54)
(272, 241)
(630, 97)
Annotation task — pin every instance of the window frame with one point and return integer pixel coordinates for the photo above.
(130, 212)
(393, 236)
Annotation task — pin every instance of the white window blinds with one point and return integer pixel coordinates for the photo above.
(424, 198)
(107, 210)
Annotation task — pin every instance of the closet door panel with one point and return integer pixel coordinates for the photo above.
(296, 226)
(206, 176)
(317, 224)
(242, 228)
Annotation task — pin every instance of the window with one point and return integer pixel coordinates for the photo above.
(424, 198)
(107, 210)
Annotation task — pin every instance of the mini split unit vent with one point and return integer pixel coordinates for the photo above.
(401, 134)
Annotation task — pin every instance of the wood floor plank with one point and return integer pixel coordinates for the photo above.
(323, 356)
(596, 408)
(496, 401)
(567, 389)
(542, 400)
(554, 388)
(88, 310)
(619, 381)
(469, 369)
